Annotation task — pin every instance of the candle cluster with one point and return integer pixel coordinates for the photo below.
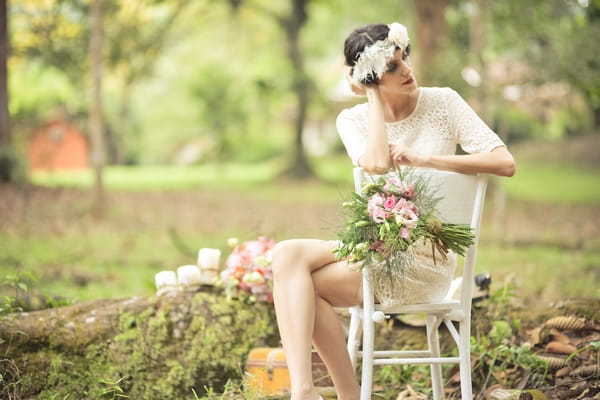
(190, 277)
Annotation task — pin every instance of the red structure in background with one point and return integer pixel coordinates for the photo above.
(58, 145)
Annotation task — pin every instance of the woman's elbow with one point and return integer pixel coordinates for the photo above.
(374, 167)
(506, 165)
(508, 168)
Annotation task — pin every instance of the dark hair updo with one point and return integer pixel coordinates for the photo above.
(359, 39)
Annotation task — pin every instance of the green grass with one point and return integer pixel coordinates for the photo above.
(546, 183)
(107, 260)
(542, 273)
(99, 264)
(165, 177)
(554, 184)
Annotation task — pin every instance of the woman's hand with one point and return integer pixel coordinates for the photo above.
(404, 155)
(357, 88)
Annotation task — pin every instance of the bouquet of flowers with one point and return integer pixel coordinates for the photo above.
(248, 268)
(391, 214)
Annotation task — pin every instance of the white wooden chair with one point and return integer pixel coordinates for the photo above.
(462, 202)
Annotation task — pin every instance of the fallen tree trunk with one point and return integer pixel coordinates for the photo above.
(70, 328)
(165, 347)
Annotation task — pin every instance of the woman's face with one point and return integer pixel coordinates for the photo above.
(398, 76)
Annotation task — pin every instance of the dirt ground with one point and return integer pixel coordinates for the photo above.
(210, 211)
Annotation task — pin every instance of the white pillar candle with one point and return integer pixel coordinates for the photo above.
(189, 275)
(209, 276)
(165, 280)
(209, 258)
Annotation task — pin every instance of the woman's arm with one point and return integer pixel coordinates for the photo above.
(376, 158)
(498, 161)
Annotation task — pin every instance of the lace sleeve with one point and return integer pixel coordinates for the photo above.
(352, 130)
(473, 135)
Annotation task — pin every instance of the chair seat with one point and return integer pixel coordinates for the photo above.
(441, 307)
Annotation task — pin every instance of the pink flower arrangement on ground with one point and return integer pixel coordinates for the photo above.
(248, 268)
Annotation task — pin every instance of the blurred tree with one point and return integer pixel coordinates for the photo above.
(291, 22)
(96, 121)
(223, 112)
(4, 117)
(581, 67)
(557, 39)
(431, 30)
(55, 32)
(6, 164)
(134, 43)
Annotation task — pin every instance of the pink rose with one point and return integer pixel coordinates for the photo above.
(389, 203)
(401, 204)
(376, 201)
(409, 192)
(374, 207)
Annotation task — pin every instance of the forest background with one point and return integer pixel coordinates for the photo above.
(211, 119)
(198, 94)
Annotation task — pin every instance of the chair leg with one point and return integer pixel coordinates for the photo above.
(437, 382)
(464, 352)
(368, 341)
(366, 383)
(354, 335)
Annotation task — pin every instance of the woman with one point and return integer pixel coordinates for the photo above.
(401, 124)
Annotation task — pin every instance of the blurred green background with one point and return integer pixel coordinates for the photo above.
(212, 119)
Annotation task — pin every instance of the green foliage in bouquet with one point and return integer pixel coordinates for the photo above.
(392, 213)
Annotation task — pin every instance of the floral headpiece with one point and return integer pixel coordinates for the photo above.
(374, 58)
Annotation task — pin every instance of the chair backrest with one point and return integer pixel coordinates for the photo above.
(462, 200)
(462, 195)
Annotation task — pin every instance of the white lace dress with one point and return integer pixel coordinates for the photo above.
(441, 121)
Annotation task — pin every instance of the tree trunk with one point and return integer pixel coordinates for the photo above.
(431, 29)
(71, 327)
(5, 138)
(96, 126)
(484, 105)
(7, 157)
(164, 346)
(292, 24)
(596, 121)
(300, 167)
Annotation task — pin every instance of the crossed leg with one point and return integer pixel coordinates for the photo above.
(308, 283)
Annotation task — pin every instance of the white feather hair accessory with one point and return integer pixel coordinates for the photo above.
(374, 58)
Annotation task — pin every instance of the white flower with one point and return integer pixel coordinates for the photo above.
(398, 35)
(254, 278)
(373, 60)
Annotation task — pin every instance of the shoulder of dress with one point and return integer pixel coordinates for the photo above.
(439, 92)
(356, 111)
(440, 96)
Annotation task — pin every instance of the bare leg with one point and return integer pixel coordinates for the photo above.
(301, 313)
(294, 298)
(338, 286)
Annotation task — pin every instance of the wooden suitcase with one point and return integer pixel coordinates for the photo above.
(268, 373)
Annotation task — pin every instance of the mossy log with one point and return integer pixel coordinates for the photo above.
(166, 347)
(70, 328)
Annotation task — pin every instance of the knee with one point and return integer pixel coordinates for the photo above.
(285, 253)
